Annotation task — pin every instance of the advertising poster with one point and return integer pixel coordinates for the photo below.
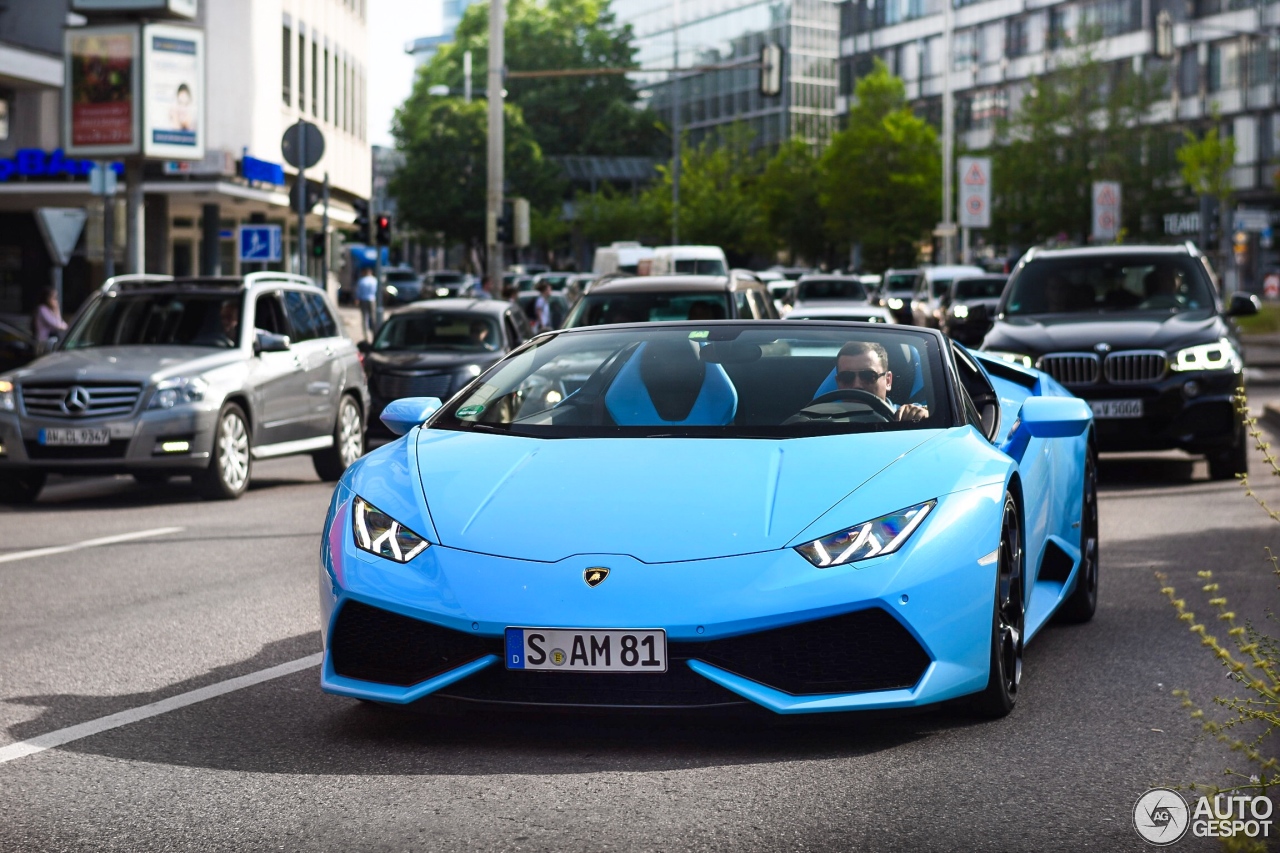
(173, 77)
(101, 98)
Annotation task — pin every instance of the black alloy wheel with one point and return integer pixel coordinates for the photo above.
(1008, 620)
(1082, 603)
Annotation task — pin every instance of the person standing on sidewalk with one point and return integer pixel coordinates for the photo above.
(48, 321)
(367, 297)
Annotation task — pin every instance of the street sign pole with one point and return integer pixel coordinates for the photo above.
(324, 238)
(493, 206)
(302, 203)
(135, 217)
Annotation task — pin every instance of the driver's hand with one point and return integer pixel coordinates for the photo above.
(912, 412)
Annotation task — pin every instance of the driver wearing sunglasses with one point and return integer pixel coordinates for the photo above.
(864, 366)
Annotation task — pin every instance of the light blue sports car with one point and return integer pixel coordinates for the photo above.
(815, 516)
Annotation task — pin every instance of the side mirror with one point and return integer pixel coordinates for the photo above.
(1047, 417)
(404, 414)
(1243, 305)
(269, 342)
(365, 347)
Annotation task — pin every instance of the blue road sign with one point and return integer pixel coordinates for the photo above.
(261, 243)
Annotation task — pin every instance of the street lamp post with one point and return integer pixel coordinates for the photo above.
(675, 124)
(493, 205)
(947, 228)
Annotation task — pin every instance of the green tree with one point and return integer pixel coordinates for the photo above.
(882, 174)
(592, 115)
(442, 185)
(1081, 123)
(1206, 163)
(789, 193)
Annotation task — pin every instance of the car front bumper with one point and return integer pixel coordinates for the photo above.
(910, 629)
(1173, 417)
(135, 442)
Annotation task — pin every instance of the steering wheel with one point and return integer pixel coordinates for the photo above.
(855, 395)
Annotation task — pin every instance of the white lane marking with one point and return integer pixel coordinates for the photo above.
(173, 703)
(88, 543)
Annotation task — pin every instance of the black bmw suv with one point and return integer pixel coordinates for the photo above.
(1141, 333)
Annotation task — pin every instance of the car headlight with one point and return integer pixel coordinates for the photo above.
(442, 291)
(1219, 356)
(1020, 359)
(171, 392)
(874, 538)
(379, 533)
(7, 403)
(895, 304)
(960, 312)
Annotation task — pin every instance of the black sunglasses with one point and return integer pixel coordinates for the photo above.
(865, 377)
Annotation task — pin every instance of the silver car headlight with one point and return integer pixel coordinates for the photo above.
(1219, 356)
(1018, 358)
(171, 392)
(379, 533)
(874, 538)
(7, 401)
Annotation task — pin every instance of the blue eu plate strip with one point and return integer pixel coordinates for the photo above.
(515, 648)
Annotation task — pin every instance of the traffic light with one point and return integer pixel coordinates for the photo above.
(317, 247)
(383, 225)
(362, 219)
(506, 224)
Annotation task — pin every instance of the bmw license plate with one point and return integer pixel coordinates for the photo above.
(74, 437)
(572, 650)
(1116, 408)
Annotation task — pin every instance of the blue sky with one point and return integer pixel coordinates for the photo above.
(391, 24)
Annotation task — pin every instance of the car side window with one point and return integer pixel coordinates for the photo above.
(979, 396)
(743, 306)
(326, 325)
(267, 315)
(521, 321)
(760, 305)
(301, 319)
(513, 335)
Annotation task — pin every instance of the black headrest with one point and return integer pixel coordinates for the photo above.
(904, 372)
(673, 376)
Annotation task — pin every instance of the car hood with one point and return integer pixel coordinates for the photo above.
(1035, 335)
(126, 363)
(658, 500)
(429, 360)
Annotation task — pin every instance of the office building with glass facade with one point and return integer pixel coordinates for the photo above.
(729, 34)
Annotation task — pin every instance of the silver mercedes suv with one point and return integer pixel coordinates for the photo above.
(159, 377)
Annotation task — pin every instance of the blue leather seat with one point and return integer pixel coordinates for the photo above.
(665, 383)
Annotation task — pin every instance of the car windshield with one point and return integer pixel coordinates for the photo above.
(1110, 283)
(600, 309)
(422, 331)
(941, 286)
(900, 283)
(401, 275)
(150, 319)
(721, 380)
(446, 277)
(831, 288)
(557, 282)
(979, 288)
(704, 266)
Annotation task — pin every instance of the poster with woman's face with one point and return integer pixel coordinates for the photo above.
(102, 69)
(174, 81)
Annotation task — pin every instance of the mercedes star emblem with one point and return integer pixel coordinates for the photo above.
(76, 402)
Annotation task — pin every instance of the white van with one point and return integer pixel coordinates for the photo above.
(689, 260)
(623, 256)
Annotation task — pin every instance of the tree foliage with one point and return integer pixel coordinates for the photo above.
(789, 192)
(1207, 161)
(882, 174)
(592, 115)
(1080, 123)
(441, 186)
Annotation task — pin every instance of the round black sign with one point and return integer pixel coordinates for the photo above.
(291, 145)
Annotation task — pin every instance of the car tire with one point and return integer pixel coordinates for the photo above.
(22, 488)
(231, 462)
(1233, 461)
(1008, 620)
(348, 441)
(1083, 601)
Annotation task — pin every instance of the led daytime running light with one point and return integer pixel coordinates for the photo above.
(874, 538)
(379, 533)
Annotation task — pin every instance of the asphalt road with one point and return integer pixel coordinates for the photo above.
(211, 592)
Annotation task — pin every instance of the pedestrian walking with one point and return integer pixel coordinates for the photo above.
(48, 321)
(485, 290)
(367, 297)
(542, 308)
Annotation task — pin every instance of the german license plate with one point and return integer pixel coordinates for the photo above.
(74, 437)
(572, 650)
(1116, 408)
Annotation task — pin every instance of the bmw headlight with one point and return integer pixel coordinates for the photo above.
(874, 538)
(171, 392)
(1020, 359)
(1219, 356)
(7, 403)
(960, 312)
(379, 533)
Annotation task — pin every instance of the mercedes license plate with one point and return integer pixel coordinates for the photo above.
(74, 437)
(1117, 408)
(573, 650)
